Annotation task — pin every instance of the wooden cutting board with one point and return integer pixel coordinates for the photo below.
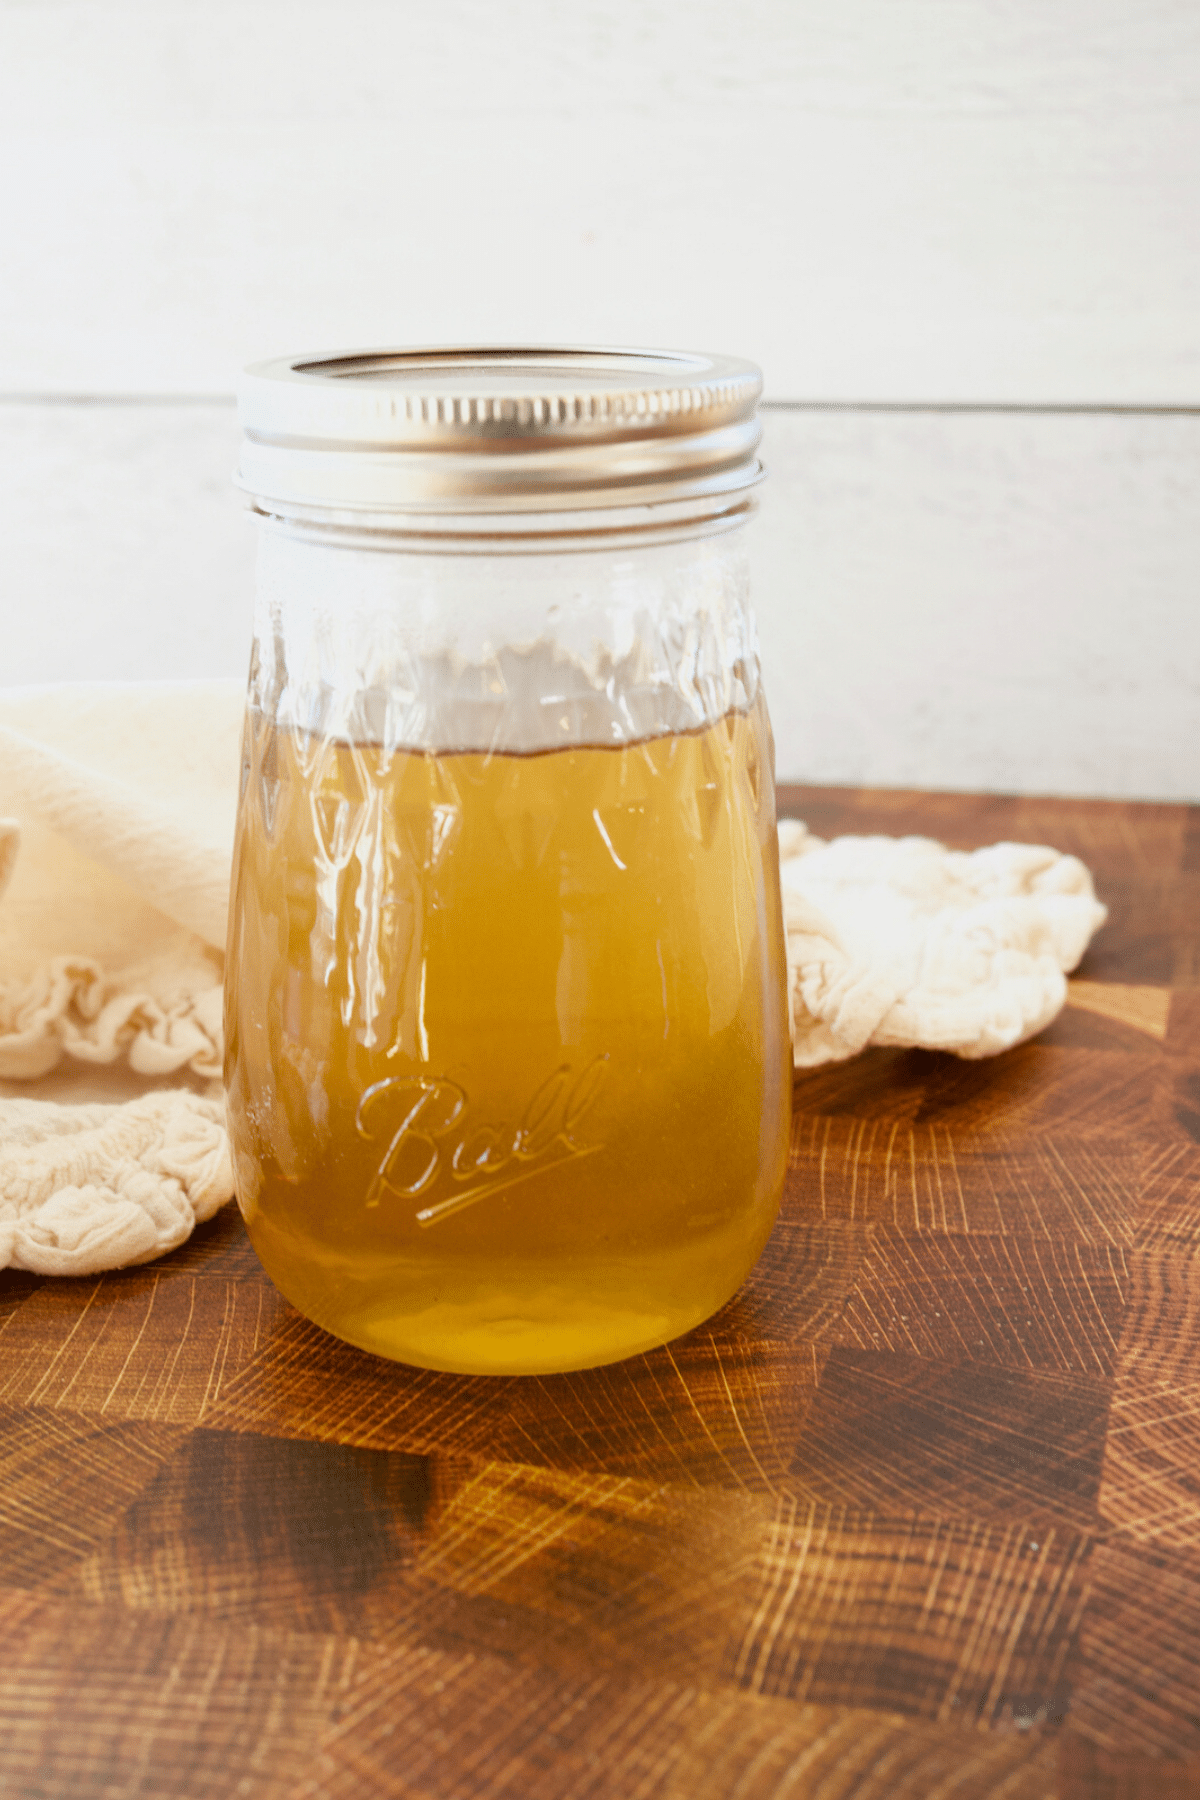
(917, 1514)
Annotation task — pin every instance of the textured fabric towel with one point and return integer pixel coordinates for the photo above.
(116, 862)
(900, 941)
(84, 1188)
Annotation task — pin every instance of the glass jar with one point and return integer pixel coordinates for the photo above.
(508, 1067)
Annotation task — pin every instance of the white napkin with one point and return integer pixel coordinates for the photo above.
(123, 798)
(84, 1188)
(112, 928)
(901, 941)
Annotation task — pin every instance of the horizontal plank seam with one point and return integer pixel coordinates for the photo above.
(1051, 408)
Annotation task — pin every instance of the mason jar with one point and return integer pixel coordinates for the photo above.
(508, 1065)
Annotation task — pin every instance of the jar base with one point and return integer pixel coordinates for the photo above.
(545, 1332)
(459, 1341)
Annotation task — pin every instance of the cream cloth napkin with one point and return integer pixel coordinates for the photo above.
(114, 883)
(114, 872)
(901, 941)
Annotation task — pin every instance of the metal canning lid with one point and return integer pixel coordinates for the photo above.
(421, 438)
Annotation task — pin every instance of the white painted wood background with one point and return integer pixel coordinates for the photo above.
(921, 211)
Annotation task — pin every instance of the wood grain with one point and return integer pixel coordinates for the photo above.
(65, 1483)
(1150, 1489)
(140, 1344)
(1138, 1680)
(917, 1514)
(925, 1177)
(1087, 1771)
(767, 1750)
(951, 1619)
(903, 1432)
(1024, 1302)
(1144, 1008)
(1170, 1210)
(168, 1705)
(590, 1739)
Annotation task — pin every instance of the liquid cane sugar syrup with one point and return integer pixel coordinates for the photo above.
(508, 1066)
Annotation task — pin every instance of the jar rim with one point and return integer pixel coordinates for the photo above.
(456, 430)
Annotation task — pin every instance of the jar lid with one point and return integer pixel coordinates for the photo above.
(420, 438)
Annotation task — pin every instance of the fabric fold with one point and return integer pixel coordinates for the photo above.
(901, 942)
(86, 1188)
(183, 875)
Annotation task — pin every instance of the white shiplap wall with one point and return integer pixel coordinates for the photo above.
(931, 205)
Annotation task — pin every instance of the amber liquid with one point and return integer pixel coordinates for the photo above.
(508, 1066)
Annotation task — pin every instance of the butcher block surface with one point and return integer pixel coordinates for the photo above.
(916, 1515)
